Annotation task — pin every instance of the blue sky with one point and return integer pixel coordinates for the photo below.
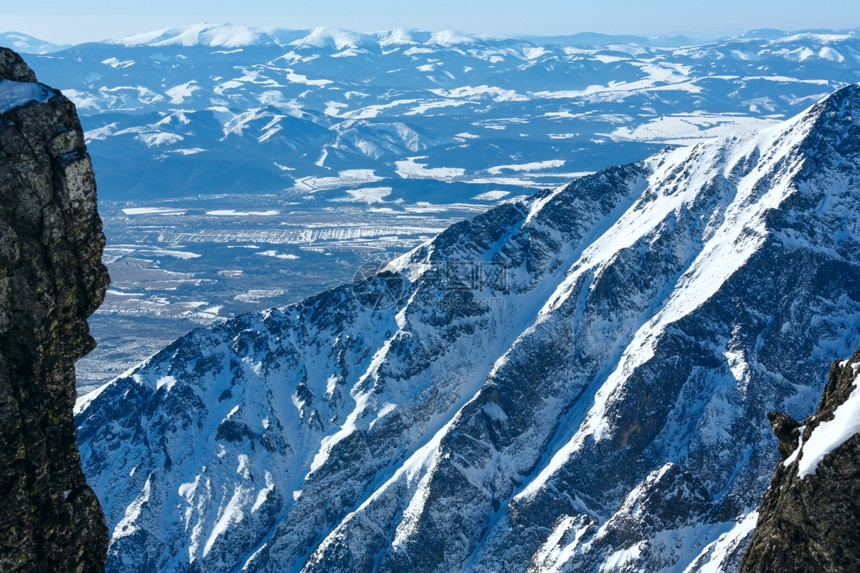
(87, 20)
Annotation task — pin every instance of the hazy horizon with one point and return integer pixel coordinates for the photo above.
(63, 23)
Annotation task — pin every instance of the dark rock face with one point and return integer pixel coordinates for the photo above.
(51, 280)
(809, 523)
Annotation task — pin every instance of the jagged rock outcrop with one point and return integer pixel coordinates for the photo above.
(810, 517)
(51, 280)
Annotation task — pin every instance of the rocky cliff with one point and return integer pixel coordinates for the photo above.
(810, 517)
(51, 280)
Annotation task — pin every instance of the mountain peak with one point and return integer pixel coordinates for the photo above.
(235, 36)
(838, 104)
(833, 128)
(217, 35)
(639, 322)
(842, 105)
(324, 37)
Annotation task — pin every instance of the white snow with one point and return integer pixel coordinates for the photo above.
(235, 213)
(738, 366)
(396, 37)
(551, 552)
(116, 63)
(533, 166)
(535, 53)
(187, 151)
(713, 556)
(828, 53)
(665, 77)
(257, 295)
(491, 195)
(495, 412)
(223, 35)
(170, 253)
(229, 516)
(158, 139)
(323, 37)
(410, 168)
(236, 481)
(263, 494)
(729, 244)
(831, 434)
(277, 255)
(302, 79)
(539, 204)
(330, 385)
(127, 525)
(450, 38)
(165, 382)
(84, 100)
(386, 409)
(427, 106)
(16, 94)
(623, 559)
(689, 128)
(178, 94)
(153, 211)
(607, 59)
(362, 399)
(369, 194)
(343, 179)
(477, 92)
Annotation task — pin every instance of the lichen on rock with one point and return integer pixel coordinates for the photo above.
(51, 280)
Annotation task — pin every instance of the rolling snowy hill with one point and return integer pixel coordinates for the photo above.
(246, 110)
(575, 381)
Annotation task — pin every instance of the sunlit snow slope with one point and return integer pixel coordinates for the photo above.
(574, 382)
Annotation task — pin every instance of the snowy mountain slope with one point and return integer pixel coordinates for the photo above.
(572, 382)
(664, 369)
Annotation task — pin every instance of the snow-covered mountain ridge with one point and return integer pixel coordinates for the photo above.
(236, 36)
(573, 382)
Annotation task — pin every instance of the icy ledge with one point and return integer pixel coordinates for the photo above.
(15, 94)
(830, 435)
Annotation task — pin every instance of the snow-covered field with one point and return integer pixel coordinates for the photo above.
(199, 261)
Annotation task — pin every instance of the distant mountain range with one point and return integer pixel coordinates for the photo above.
(575, 381)
(233, 109)
(25, 44)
